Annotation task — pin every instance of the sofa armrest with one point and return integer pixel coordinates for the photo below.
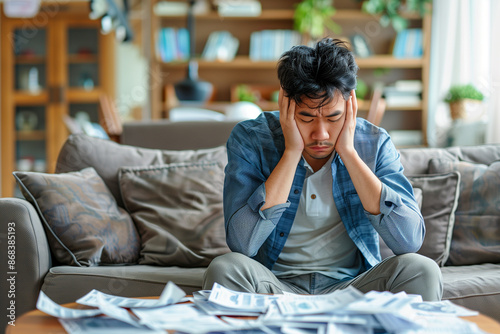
(26, 258)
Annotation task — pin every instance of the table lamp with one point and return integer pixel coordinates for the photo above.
(192, 89)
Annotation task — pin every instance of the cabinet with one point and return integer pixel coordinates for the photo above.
(54, 65)
(278, 14)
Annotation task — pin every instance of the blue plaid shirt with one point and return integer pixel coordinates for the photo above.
(255, 148)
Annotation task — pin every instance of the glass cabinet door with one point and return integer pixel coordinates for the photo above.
(83, 50)
(30, 110)
(52, 70)
(30, 140)
(30, 52)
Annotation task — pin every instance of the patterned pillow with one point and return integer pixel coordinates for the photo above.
(177, 209)
(476, 236)
(439, 201)
(84, 225)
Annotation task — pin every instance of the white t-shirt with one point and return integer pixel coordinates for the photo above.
(318, 240)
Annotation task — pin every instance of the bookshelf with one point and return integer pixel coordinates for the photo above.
(278, 14)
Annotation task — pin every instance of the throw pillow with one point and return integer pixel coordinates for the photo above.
(84, 225)
(476, 236)
(177, 209)
(439, 201)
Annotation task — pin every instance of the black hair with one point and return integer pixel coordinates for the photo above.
(318, 72)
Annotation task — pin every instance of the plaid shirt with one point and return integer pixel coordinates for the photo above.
(255, 148)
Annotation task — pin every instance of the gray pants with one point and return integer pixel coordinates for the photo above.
(412, 273)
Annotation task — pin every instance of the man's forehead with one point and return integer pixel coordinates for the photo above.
(337, 103)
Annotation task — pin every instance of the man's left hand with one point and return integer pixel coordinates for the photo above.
(345, 141)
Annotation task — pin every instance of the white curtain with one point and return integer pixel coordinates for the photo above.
(493, 135)
(464, 49)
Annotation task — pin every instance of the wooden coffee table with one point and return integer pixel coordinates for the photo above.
(41, 323)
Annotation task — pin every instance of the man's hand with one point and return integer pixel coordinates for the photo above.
(345, 141)
(293, 139)
(368, 186)
(280, 181)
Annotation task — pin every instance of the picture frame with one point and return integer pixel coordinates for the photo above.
(360, 46)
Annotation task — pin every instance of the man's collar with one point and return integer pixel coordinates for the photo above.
(327, 163)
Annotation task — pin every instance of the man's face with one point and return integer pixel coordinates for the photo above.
(320, 128)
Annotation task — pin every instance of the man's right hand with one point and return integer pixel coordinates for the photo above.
(293, 138)
(280, 181)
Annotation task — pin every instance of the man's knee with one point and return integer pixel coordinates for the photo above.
(421, 264)
(222, 268)
(426, 272)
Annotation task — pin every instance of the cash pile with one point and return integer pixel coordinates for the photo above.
(221, 310)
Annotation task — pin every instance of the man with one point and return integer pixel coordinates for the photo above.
(309, 190)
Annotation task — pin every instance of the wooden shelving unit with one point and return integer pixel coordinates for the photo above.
(244, 62)
(63, 49)
(287, 14)
(278, 14)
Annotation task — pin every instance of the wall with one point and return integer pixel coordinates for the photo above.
(131, 80)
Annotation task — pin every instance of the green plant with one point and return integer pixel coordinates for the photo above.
(390, 10)
(311, 17)
(361, 89)
(461, 92)
(244, 93)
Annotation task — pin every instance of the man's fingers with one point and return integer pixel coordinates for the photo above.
(348, 109)
(354, 102)
(286, 105)
(291, 109)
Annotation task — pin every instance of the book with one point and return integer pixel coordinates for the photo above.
(409, 85)
(408, 44)
(403, 100)
(173, 44)
(269, 45)
(220, 45)
(183, 48)
(403, 93)
(243, 8)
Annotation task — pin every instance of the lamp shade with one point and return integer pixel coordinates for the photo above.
(191, 88)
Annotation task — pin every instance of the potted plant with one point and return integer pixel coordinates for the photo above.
(312, 17)
(464, 101)
(244, 93)
(361, 89)
(390, 10)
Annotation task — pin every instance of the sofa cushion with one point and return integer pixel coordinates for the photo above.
(439, 201)
(416, 160)
(476, 287)
(84, 225)
(177, 209)
(65, 284)
(80, 151)
(476, 236)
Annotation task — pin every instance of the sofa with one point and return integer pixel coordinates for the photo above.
(173, 172)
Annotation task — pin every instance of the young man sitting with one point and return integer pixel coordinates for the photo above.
(310, 189)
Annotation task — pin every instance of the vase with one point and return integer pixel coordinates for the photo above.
(26, 120)
(466, 109)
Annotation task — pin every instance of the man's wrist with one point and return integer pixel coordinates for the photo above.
(347, 154)
(293, 155)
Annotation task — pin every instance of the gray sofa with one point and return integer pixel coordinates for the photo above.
(471, 275)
